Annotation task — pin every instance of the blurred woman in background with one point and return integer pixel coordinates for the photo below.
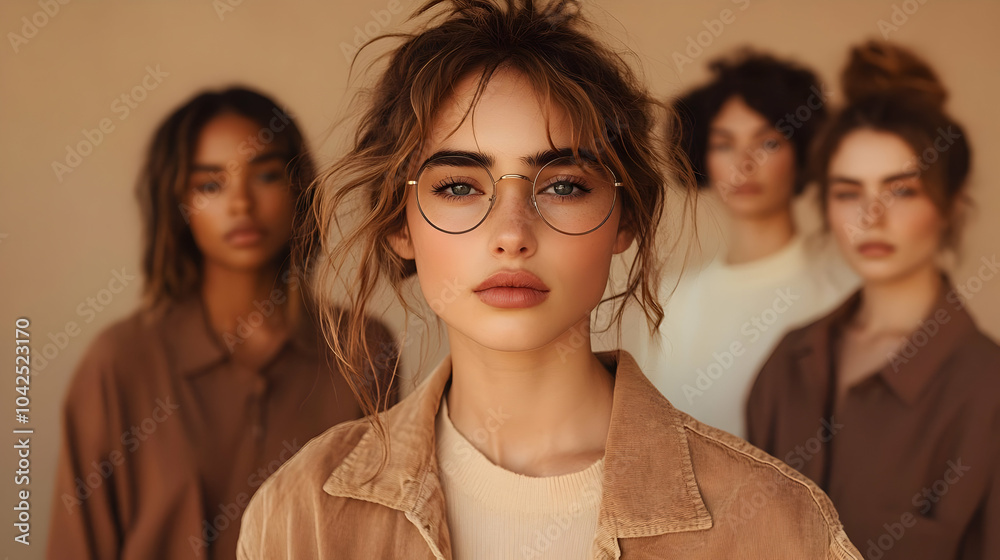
(179, 412)
(747, 133)
(892, 402)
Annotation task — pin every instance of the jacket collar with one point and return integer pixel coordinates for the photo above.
(194, 347)
(908, 371)
(646, 442)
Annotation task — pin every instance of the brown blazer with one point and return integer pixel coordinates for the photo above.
(672, 488)
(911, 455)
(165, 438)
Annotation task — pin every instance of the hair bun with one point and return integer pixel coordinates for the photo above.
(878, 68)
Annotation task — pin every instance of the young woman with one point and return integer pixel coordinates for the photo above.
(506, 156)
(179, 412)
(892, 402)
(747, 133)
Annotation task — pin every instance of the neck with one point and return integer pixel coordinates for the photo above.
(754, 238)
(236, 297)
(898, 305)
(542, 412)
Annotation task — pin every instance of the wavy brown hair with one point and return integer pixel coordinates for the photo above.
(171, 261)
(612, 115)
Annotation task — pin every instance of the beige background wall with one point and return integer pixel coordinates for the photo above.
(63, 240)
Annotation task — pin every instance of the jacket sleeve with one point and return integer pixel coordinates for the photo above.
(84, 522)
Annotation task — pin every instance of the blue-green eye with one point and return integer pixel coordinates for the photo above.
(771, 144)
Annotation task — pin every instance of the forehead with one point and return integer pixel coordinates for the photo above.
(508, 121)
(735, 116)
(871, 154)
(228, 136)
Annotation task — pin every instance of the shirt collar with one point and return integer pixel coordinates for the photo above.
(194, 347)
(646, 442)
(911, 369)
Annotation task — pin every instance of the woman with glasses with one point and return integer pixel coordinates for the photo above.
(505, 158)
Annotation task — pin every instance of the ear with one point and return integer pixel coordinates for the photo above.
(401, 243)
(624, 239)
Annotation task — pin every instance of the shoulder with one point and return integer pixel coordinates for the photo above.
(117, 347)
(294, 494)
(750, 492)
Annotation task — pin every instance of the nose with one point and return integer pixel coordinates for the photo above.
(240, 192)
(513, 217)
(873, 210)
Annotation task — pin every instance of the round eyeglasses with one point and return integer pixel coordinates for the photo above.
(573, 196)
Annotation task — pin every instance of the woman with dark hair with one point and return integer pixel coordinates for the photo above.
(503, 158)
(891, 402)
(747, 133)
(177, 413)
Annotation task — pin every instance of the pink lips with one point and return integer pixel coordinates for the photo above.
(512, 289)
(244, 236)
(874, 249)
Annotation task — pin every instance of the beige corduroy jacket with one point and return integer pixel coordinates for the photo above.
(672, 488)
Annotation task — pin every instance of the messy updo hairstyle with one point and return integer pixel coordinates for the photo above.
(362, 197)
(890, 89)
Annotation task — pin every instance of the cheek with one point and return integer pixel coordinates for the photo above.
(919, 223)
(719, 166)
(778, 171)
(842, 216)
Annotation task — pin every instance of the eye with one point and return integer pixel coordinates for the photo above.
(718, 147)
(566, 188)
(844, 195)
(904, 192)
(210, 187)
(771, 144)
(454, 189)
(271, 176)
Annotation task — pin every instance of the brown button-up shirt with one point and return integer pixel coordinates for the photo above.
(910, 455)
(672, 488)
(166, 438)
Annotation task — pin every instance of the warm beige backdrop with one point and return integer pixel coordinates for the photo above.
(64, 238)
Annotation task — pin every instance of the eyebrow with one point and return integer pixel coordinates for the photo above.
(536, 159)
(261, 158)
(762, 130)
(886, 181)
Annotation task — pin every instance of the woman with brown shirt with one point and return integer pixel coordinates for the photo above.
(179, 412)
(892, 402)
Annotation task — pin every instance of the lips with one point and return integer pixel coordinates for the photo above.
(748, 188)
(874, 249)
(244, 236)
(512, 289)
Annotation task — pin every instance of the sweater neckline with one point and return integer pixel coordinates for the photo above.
(465, 469)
